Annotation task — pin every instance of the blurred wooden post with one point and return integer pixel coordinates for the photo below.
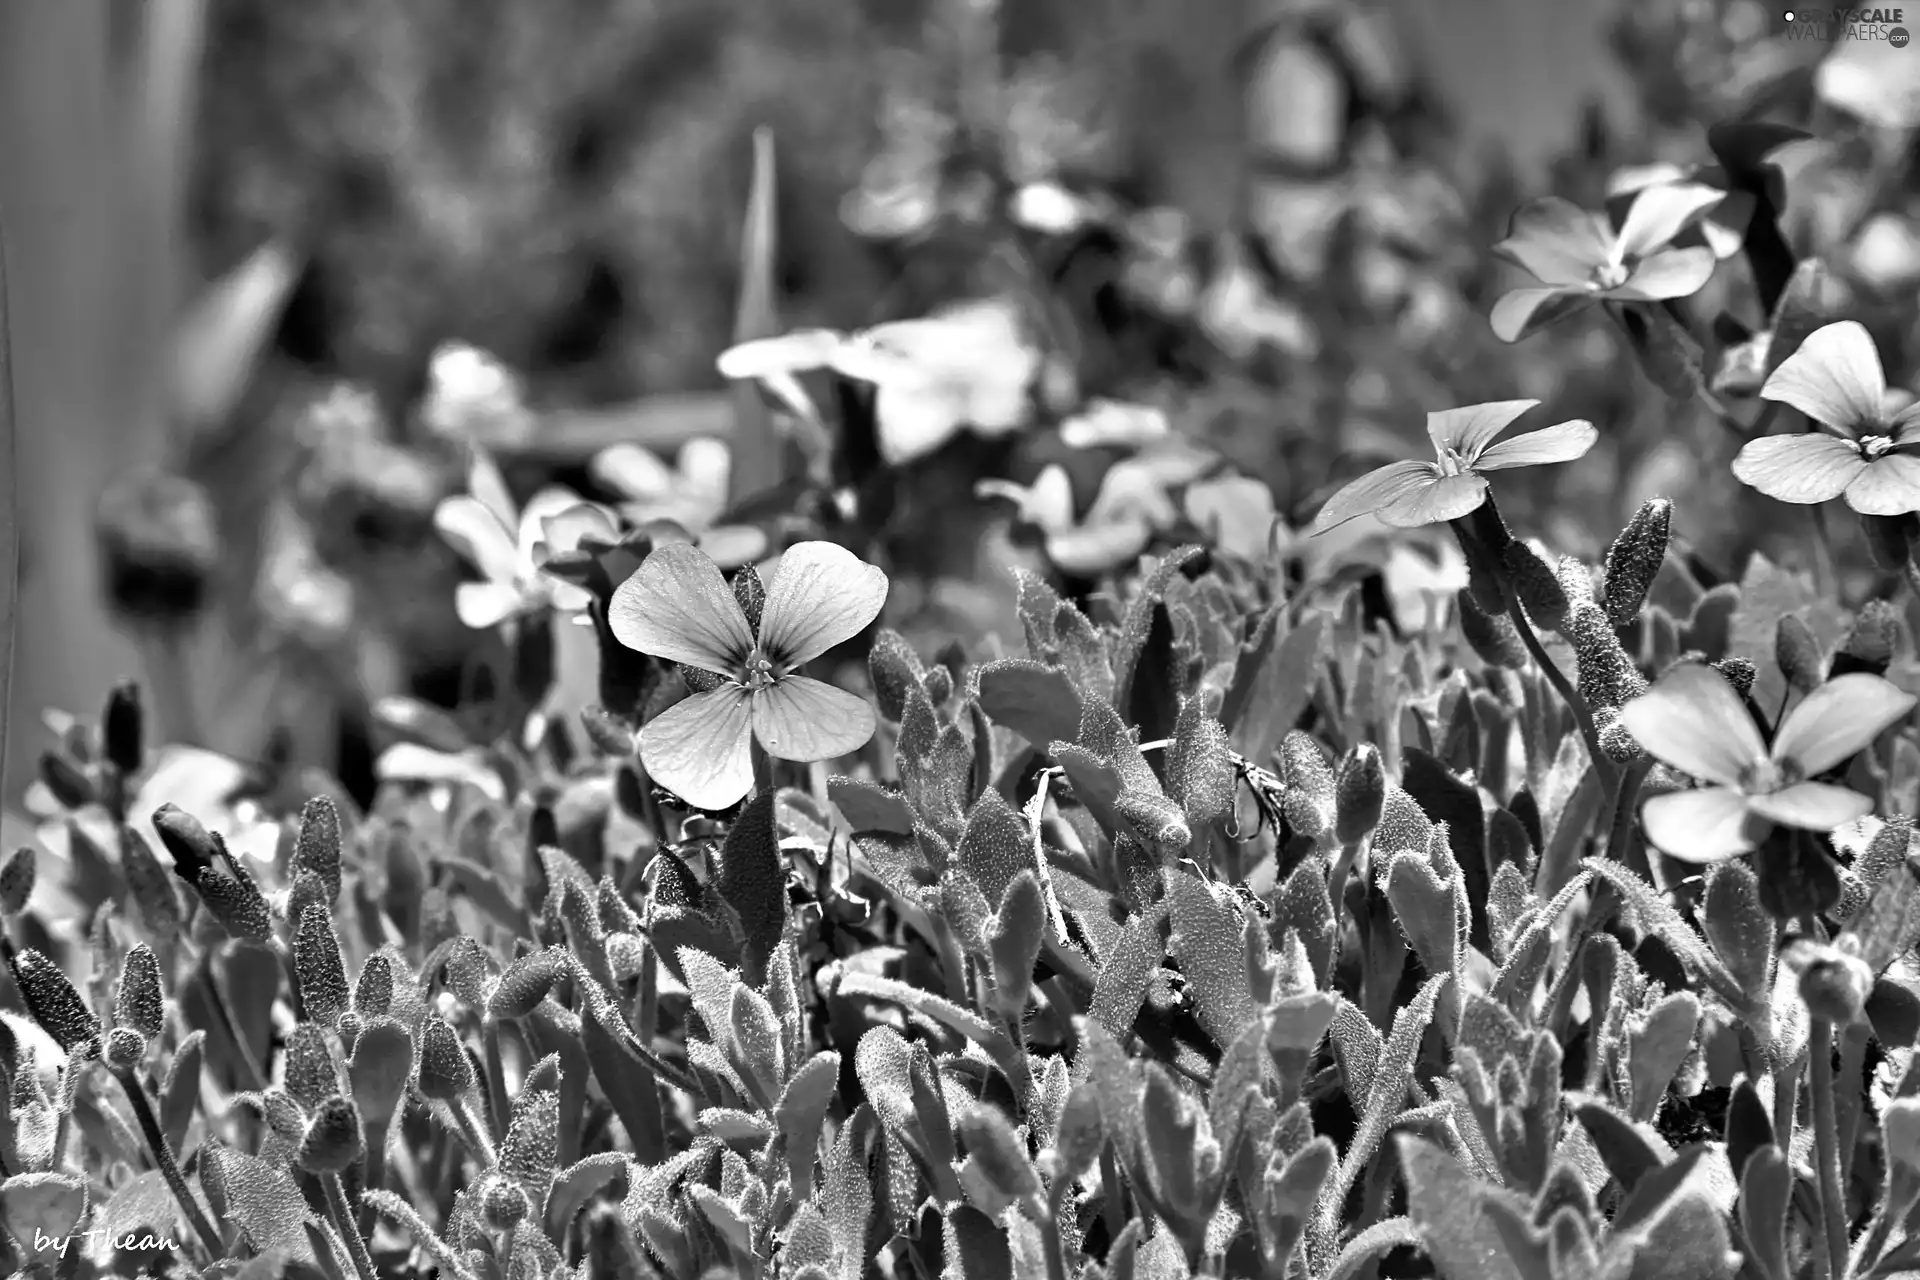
(88, 186)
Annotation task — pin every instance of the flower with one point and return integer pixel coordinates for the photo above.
(1406, 495)
(692, 493)
(473, 398)
(678, 607)
(1131, 506)
(512, 549)
(1724, 226)
(1835, 379)
(1581, 260)
(971, 365)
(1693, 721)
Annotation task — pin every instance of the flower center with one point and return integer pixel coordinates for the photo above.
(1764, 777)
(760, 672)
(1452, 463)
(1872, 447)
(1610, 275)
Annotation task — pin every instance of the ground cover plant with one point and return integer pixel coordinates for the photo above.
(1343, 875)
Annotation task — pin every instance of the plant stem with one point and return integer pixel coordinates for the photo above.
(1582, 714)
(496, 1075)
(472, 1134)
(342, 1214)
(1826, 1144)
(1056, 1247)
(1624, 796)
(163, 1156)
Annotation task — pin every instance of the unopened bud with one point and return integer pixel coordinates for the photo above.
(333, 1141)
(373, 993)
(124, 1049)
(123, 728)
(526, 983)
(502, 1204)
(1834, 985)
(1536, 586)
(1872, 642)
(233, 899)
(190, 844)
(1308, 798)
(1740, 673)
(1634, 559)
(1491, 636)
(53, 1002)
(138, 1001)
(1608, 677)
(1358, 794)
(445, 1072)
(16, 881)
(70, 785)
(1796, 651)
(311, 1073)
(318, 847)
(158, 537)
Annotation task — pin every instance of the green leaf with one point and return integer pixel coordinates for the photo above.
(398, 1211)
(1238, 1080)
(1765, 1206)
(996, 845)
(1657, 1046)
(1445, 1203)
(1208, 924)
(1200, 770)
(975, 1246)
(1273, 684)
(180, 1091)
(1658, 915)
(1374, 1244)
(43, 1204)
(1014, 940)
(1428, 910)
(264, 1202)
(378, 1070)
(578, 1183)
(1126, 973)
(1739, 929)
(1286, 1208)
(1186, 1161)
(868, 807)
(1303, 903)
(624, 1076)
(1036, 701)
(802, 1113)
(1624, 1148)
(999, 1154)
(753, 880)
(1004, 1053)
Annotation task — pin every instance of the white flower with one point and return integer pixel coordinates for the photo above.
(692, 492)
(512, 548)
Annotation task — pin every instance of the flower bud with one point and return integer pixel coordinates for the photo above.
(1796, 651)
(318, 847)
(1872, 642)
(138, 1001)
(1491, 636)
(158, 537)
(1634, 559)
(311, 1073)
(123, 728)
(190, 844)
(502, 1204)
(1615, 739)
(124, 1049)
(445, 1071)
(53, 1002)
(373, 992)
(16, 881)
(333, 1141)
(1359, 791)
(70, 785)
(1536, 586)
(1834, 985)
(1308, 799)
(235, 900)
(1740, 673)
(526, 983)
(1608, 677)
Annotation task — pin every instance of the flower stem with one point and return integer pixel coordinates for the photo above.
(472, 1134)
(163, 1156)
(342, 1214)
(1582, 714)
(1826, 1144)
(1620, 837)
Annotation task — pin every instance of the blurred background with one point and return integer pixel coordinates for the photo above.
(270, 268)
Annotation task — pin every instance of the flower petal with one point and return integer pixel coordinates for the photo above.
(1671, 273)
(1887, 486)
(632, 471)
(487, 604)
(914, 417)
(1709, 824)
(1447, 498)
(1561, 442)
(804, 720)
(1806, 468)
(1658, 214)
(706, 464)
(1835, 378)
(411, 762)
(548, 504)
(1812, 806)
(1094, 549)
(796, 352)
(562, 534)
(699, 748)
(1524, 312)
(473, 530)
(1556, 240)
(489, 488)
(1693, 720)
(1838, 720)
(1372, 491)
(1469, 429)
(677, 606)
(822, 596)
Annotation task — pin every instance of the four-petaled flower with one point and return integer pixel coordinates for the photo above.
(692, 492)
(1409, 494)
(511, 548)
(1870, 458)
(1693, 721)
(678, 607)
(1580, 260)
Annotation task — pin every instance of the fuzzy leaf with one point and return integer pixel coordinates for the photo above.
(1657, 1047)
(802, 1112)
(996, 845)
(1200, 773)
(580, 1182)
(975, 1246)
(1127, 973)
(1038, 702)
(1207, 941)
(1445, 1202)
(1272, 685)
(180, 1091)
(999, 1154)
(43, 1204)
(1014, 940)
(753, 880)
(868, 807)
(1659, 915)
(264, 1202)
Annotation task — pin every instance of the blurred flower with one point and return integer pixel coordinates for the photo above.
(692, 492)
(159, 540)
(1235, 512)
(1723, 227)
(1887, 251)
(1409, 494)
(511, 549)
(441, 772)
(1835, 379)
(1872, 80)
(678, 607)
(474, 399)
(972, 365)
(1114, 422)
(1582, 261)
(296, 591)
(1133, 504)
(1693, 721)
